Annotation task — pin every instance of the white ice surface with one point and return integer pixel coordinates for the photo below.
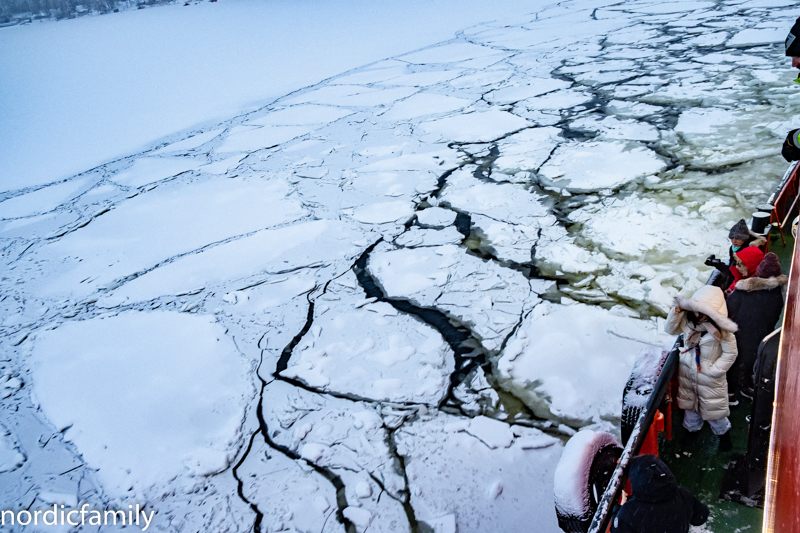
(160, 224)
(153, 72)
(148, 170)
(40, 201)
(268, 252)
(480, 126)
(489, 299)
(302, 115)
(349, 440)
(11, 457)
(650, 228)
(358, 156)
(526, 150)
(145, 397)
(420, 105)
(371, 351)
(456, 476)
(575, 376)
(600, 165)
(436, 217)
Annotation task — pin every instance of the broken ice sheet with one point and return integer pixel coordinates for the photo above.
(478, 126)
(188, 143)
(178, 413)
(424, 104)
(155, 226)
(506, 202)
(591, 166)
(301, 115)
(347, 439)
(371, 351)
(11, 455)
(484, 296)
(650, 229)
(610, 128)
(526, 150)
(251, 138)
(436, 217)
(717, 137)
(289, 494)
(507, 242)
(429, 237)
(573, 375)
(502, 488)
(449, 53)
(145, 170)
(306, 244)
(532, 87)
(42, 200)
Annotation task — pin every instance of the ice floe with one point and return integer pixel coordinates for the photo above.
(179, 412)
(489, 299)
(505, 481)
(396, 359)
(599, 165)
(575, 376)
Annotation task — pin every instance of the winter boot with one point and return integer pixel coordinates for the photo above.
(689, 438)
(725, 443)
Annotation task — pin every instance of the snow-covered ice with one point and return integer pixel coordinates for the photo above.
(599, 165)
(456, 477)
(298, 301)
(395, 358)
(574, 376)
(146, 397)
(487, 298)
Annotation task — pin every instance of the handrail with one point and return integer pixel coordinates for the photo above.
(603, 514)
(783, 465)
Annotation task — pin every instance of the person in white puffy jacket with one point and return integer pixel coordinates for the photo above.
(708, 351)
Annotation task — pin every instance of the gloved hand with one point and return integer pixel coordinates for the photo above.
(712, 261)
(790, 150)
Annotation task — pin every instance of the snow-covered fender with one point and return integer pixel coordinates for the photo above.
(639, 387)
(581, 477)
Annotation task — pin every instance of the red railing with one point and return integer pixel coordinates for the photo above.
(782, 499)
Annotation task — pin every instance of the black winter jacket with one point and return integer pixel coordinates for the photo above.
(755, 306)
(658, 504)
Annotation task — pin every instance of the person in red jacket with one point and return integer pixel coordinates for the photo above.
(747, 260)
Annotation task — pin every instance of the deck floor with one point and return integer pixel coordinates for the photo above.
(700, 467)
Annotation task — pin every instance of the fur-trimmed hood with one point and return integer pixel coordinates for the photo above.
(762, 284)
(710, 301)
(756, 239)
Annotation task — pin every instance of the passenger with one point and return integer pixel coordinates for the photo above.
(741, 237)
(791, 146)
(708, 351)
(746, 262)
(755, 306)
(657, 504)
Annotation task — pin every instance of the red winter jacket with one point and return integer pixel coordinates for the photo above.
(747, 261)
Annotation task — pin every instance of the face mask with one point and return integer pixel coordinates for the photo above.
(737, 248)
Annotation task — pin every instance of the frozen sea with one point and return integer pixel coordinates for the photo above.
(383, 299)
